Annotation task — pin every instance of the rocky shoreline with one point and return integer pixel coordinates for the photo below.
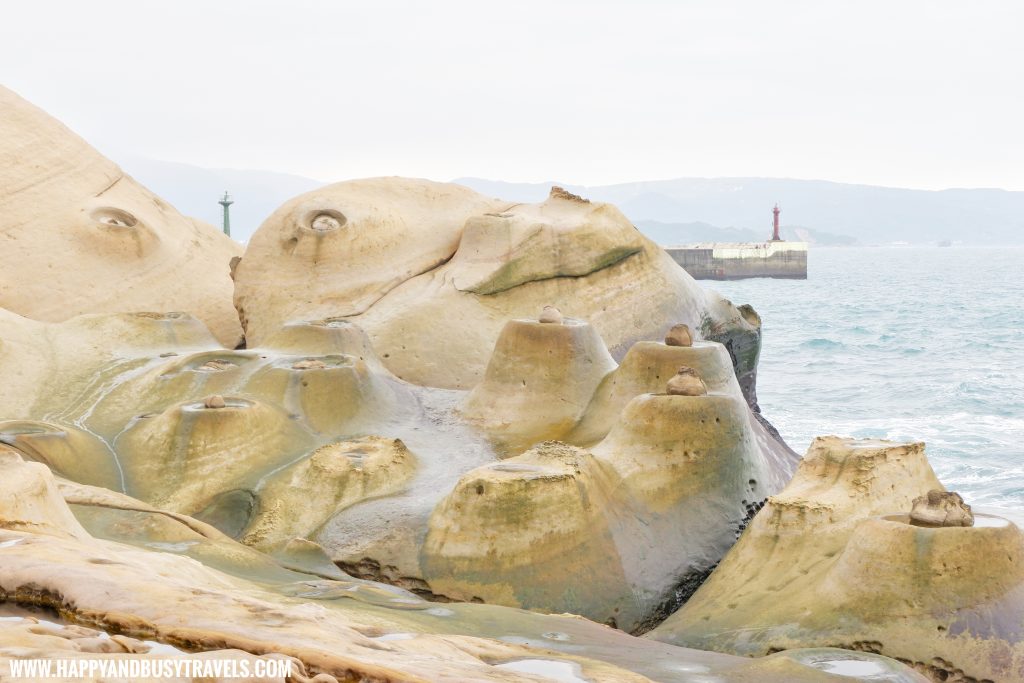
(413, 433)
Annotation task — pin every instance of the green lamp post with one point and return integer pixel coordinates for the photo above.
(226, 201)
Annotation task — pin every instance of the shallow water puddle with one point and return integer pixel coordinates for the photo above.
(854, 668)
(396, 636)
(566, 672)
(155, 648)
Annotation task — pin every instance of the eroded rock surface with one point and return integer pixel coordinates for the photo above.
(941, 508)
(834, 561)
(433, 271)
(400, 410)
(311, 439)
(80, 236)
(539, 382)
(338, 250)
(156, 596)
(532, 530)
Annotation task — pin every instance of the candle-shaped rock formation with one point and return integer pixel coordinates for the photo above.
(681, 466)
(186, 456)
(646, 369)
(539, 381)
(525, 531)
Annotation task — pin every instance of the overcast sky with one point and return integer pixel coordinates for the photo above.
(925, 94)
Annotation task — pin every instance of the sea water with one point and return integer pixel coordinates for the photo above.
(910, 344)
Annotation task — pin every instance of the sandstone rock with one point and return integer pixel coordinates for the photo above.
(335, 476)
(331, 394)
(526, 531)
(523, 531)
(561, 193)
(550, 314)
(679, 335)
(104, 242)
(215, 401)
(645, 369)
(256, 469)
(686, 382)
(941, 508)
(531, 243)
(325, 337)
(833, 559)
(216, 365)
(539, 381)
(411, 253)
(48, 367)
(186, 456)
(68, 451)
(342, 628)
(30, 501)
(337, 250)
(672, 451)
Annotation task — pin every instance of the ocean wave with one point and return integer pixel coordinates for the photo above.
(920, 349)
(822, 343)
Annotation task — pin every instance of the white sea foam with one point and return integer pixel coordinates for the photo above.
(915, 344)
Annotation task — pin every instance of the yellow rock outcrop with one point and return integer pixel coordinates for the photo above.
(80, 236)
(338, 250)
(529, 531)
(833, 560)
(156, 596)
(538, 382)
(433, 272)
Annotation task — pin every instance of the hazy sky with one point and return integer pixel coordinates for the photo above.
(926, 94)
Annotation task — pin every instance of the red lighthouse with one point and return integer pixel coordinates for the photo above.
(775, 224)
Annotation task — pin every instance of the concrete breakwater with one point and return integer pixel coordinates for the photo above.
(738, 260)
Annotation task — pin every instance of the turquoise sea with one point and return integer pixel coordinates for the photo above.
(908, 343)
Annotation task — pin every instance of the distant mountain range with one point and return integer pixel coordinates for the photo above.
(676, 211)
(687, 209)
(195, 191)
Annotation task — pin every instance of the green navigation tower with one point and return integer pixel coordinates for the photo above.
(226, 201)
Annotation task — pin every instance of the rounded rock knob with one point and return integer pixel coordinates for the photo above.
(686, 382)
(215, 401)
(941, 508)
(679, 335)
(550, 314)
